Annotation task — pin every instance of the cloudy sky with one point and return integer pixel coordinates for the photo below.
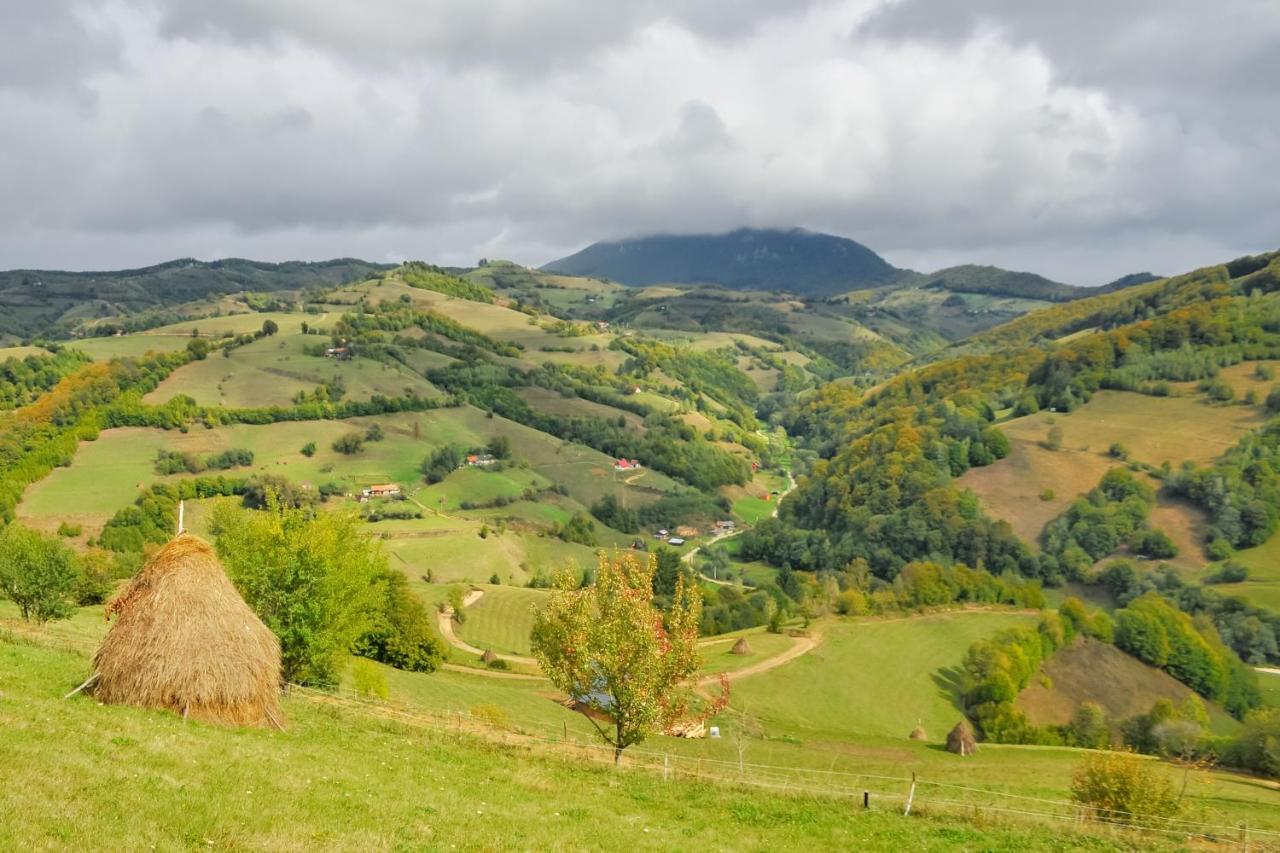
(1082, 140)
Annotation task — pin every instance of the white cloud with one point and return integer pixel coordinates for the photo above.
(281, 129)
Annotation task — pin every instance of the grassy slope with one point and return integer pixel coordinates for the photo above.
(87, 776)
(853, 682)
(1124, 687)
(502, 619)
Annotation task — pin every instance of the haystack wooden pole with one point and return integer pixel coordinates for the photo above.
(911, 795)
(181, 508)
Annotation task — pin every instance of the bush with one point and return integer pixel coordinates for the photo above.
(350, 444)
(1053, 439)
(368, 680)
(1231, 572)
(69, 529)
(37, 572)
(851, 602)
(1264, 371)
(309, 449)
(1118, 451)
(1047, 495)
(1120, 787)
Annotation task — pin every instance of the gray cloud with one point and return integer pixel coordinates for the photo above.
(1079, 142)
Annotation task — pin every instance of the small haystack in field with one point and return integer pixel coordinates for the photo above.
(742, 647)
(961, 740)
(918, 733)
(488, 656)
(185, 641)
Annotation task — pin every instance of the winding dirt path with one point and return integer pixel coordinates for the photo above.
(802, 646)
(444, 620)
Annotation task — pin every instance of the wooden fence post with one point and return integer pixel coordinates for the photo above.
(666, 766)
(911, 795)
(866, 799)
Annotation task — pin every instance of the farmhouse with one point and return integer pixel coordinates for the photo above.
(626, 465)
(480, 459)
(340, 353)
(380, 490)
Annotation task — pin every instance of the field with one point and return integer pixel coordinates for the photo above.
(270, 371)
(853, 682)
(85, 776)
(502, 619)
(1263, 585)
(1154, 429)
(1089, 671)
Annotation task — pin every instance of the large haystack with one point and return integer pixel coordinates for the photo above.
(488, 656)
(742, 647)
(918, 733)
(961, 740)
(184, 640)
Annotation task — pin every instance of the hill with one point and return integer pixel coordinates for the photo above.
(35, 302)
(972, 278)
(1089, 671)
(746, 259)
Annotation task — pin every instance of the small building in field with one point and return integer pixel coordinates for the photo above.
(626, 464)
(725, 526)
(480, 459)
(380, 490)
(675, 540)
(340, 353)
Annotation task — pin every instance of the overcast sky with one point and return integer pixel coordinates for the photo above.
(1081, 140)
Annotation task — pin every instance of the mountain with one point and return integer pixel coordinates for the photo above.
(746, 259)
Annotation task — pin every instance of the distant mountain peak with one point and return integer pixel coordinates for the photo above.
(793, 259)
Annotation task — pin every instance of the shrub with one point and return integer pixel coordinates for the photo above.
(1047, 495)
(1120, 787)
(1231, 572)
(851, 602)
(1264, 372)
(309, 449)
(38, 572)
(69, 529)
(368, 680)
(1118, 451)
(350, 444)
(499, 664)
(1053, 440)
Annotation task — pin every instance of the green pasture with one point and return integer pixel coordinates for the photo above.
(873, 677)
(502, 619)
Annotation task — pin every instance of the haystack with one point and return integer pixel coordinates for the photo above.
(184, 640)
(961, 740)
(488, 656)
(918, 733)
(742, 647)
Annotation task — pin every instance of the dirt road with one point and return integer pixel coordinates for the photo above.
(445, 622)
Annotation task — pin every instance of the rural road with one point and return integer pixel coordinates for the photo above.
(803, 646)
(1269, 670)
(445, 622)
(688, 557)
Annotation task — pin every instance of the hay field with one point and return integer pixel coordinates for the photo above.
(1263, 584)
(1155, 429)
(502, 619)
(873, 677)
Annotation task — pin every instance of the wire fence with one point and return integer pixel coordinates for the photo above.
(907, 794)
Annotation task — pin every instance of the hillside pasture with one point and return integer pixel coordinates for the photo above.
(270, 371)
(456, 553)
(873, 677)
(502, 619)
(1262, 587)
(1154, 429)
(1090, 671)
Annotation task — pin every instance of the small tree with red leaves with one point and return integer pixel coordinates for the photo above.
(620, 657)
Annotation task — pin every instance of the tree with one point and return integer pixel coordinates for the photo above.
(402, 636)
(350, 444)
(1053, 441)
(309, 449)
(38, 572)
(617, 654)
(441, 463)
(499, 447)
(269, 327)
(313, 578)
(1119, 787)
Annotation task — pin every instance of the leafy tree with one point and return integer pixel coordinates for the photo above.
(269, 327)
(615, 653)
(350, 444)
(499, 447)
(402, 636)
(309, 449)
(313, 578)
(1053, 439)
(375, 433)
(38, 572)
(442, 463)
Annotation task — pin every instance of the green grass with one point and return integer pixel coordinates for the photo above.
(717, 656)
(1270, 684)
(502, 619)
(873, 677)
(1263, 584)
(87, 776)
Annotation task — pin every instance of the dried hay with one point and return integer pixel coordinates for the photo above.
(918, 733)
(961, 740)
(742, 647)
(185, 641)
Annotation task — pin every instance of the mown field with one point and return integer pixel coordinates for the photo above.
(854, 683)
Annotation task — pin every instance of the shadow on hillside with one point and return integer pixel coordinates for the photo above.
(950, 682)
